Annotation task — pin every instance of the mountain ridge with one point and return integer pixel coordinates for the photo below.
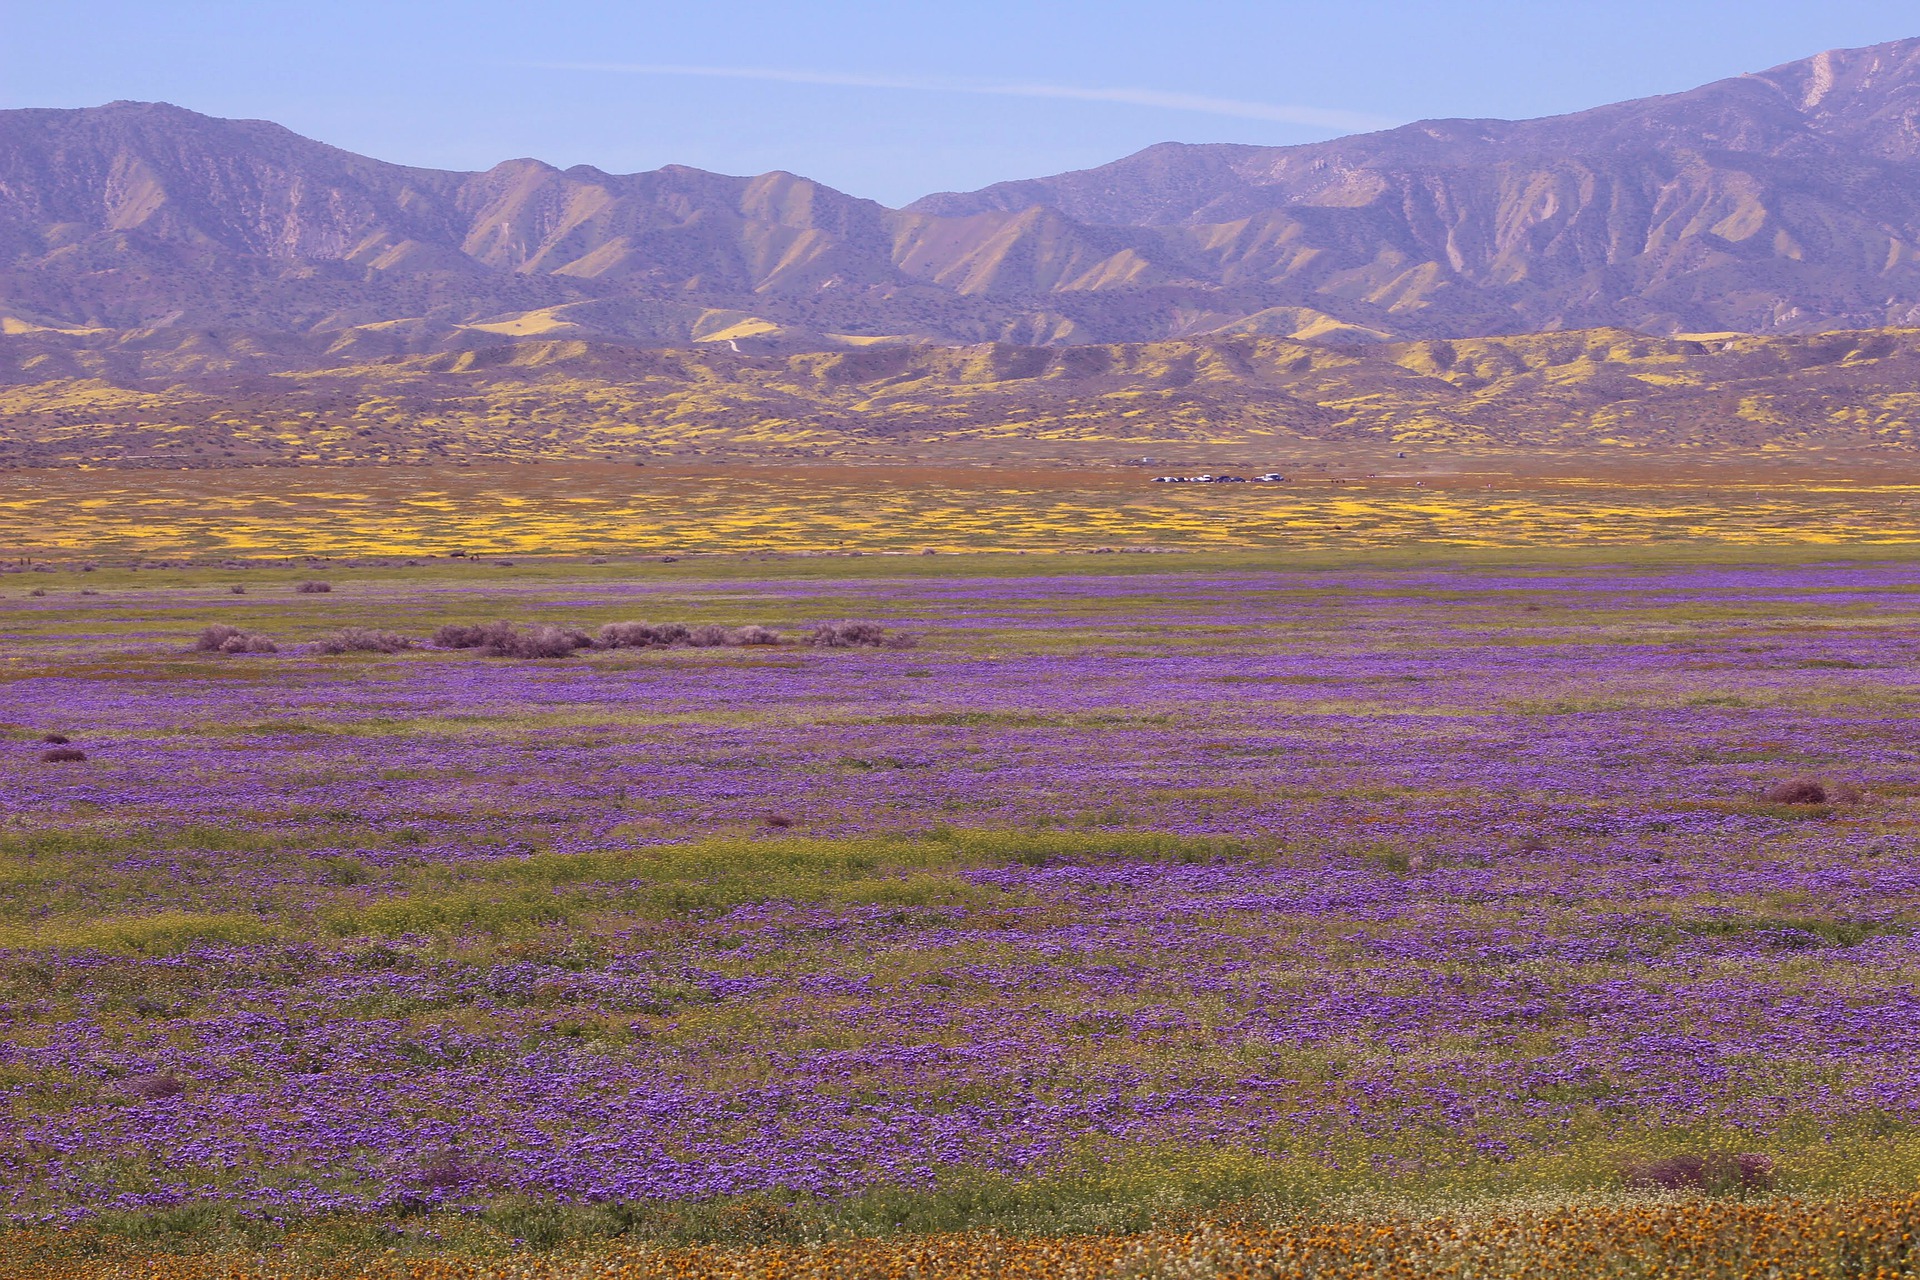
(1785, 201)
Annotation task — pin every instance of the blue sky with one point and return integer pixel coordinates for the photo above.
(885, 100)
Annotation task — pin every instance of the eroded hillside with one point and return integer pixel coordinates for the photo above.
(573, 399)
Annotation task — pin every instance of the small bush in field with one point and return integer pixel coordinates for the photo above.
(364, 640)
(223, 638)
(625, 635)
(851, 635)
(55, 739)
(755, 635)
(161, 1084)
(1797, 791)
(63, 755)
(641, 635)
(462, 635)
(537, 641)
(314, 588)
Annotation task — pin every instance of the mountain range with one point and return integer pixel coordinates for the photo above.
(140, 240)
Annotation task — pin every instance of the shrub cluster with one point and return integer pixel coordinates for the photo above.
(540, 640)
(314, 588)
(505, 640)
(672, 635)
(154, 1087)
(1813, 791)
(849, 635)
(222, 638)
(364, 640)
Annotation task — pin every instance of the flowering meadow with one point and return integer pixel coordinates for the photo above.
(1174, 917)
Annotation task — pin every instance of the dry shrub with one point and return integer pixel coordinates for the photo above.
(850, 635)
(210, 639)
(55, 739)
(1844, 793)
(222, 638)
(537, 641)
(626, 635)
(1797, 791)
(641, 635)
(63, 755)
(1749, 1171)
(161, 1084)
(237, 589)
(778, 821)
(364, 640)
(464, 635)
(314, 588)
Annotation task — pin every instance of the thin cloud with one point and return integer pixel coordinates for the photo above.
(1316, 117)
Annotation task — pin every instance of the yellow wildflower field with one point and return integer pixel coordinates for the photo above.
(586, 507)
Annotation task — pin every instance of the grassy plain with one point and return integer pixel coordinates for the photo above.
(1098, 922)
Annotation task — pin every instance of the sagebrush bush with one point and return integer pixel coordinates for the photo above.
(364, 640)
(641, 635)
(1797, 791)
(625, 635)
(63, 755)
(314, 588)
(536, 641)
(161, 1084)
(849, 635)
(468, 635)
(224, 638)
(55, 739)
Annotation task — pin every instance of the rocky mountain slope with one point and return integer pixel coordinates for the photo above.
(142, 240)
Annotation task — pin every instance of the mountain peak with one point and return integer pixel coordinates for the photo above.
(1785, 200)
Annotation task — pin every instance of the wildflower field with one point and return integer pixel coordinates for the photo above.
(1329, 503)
(1099, 916)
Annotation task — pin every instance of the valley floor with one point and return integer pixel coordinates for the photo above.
(1158, 915)
(1331, 503)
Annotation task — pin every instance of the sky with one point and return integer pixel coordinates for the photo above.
(886, 100)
